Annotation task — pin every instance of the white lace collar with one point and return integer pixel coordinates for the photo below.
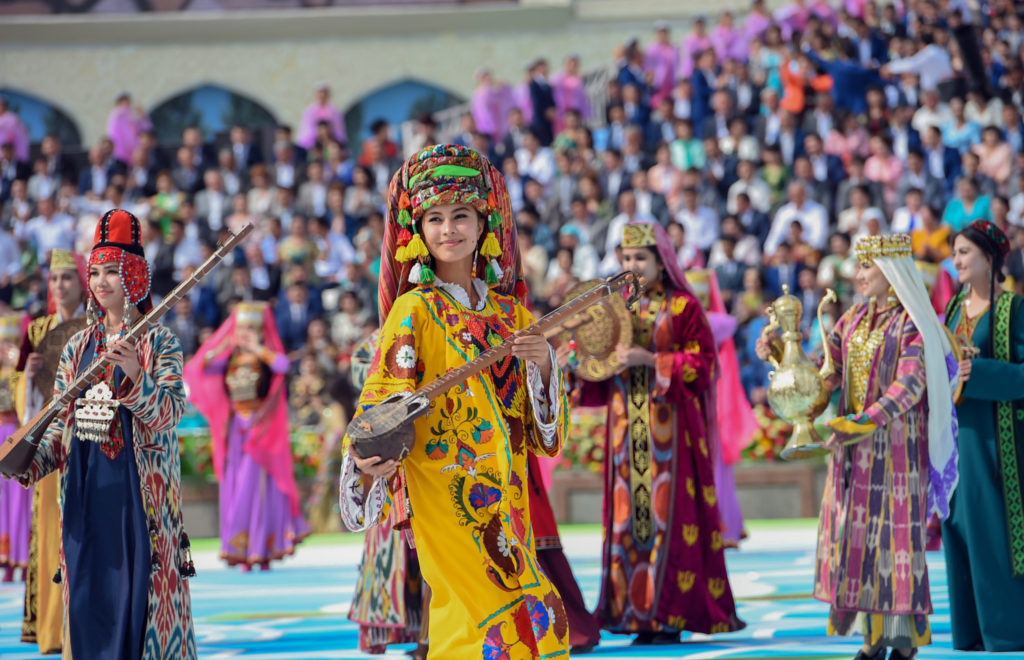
(461, 296)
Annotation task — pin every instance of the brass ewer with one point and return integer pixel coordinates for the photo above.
(797, 389)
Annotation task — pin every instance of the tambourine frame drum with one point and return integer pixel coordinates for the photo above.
(606, 325)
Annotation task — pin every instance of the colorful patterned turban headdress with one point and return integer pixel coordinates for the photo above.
(119, 240)
(439, 175)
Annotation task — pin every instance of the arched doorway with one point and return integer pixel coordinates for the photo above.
(42, 118)
(214, 109)
(397, 103)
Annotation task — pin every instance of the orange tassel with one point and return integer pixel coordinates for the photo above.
(403, 201)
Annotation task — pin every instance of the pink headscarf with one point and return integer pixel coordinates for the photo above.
(268, 443)
(736, 420)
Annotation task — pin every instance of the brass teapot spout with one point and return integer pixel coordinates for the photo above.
(797, 389)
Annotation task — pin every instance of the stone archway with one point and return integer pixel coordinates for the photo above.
(396, 102)
(213, 108)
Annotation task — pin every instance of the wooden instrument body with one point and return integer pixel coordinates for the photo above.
(386, 430)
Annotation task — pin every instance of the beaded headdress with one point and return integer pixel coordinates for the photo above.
(119, 240)
(438, 175)
(638, 236)
(892, 246)
(250, 314)
(994, 234)
(10, 327)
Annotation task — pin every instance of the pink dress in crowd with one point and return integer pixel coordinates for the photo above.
(490, 106)
(661, 60)
(730, 43)
(755, 26)
(13, 132)
(124, 127)
(692, 45)
(570, 94)
(315, 114)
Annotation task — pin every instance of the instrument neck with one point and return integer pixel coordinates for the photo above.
(543, 326)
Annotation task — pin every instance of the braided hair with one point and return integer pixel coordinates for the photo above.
(994, 252)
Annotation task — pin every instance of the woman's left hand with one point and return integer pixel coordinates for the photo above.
(126, 356)
(965, 370)
(634, 356)
(533, 348)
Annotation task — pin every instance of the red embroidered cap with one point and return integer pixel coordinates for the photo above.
(119, 240)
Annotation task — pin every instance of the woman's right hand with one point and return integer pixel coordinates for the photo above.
(33, 364)
(372, 466)
(562, 356)
(761, 349)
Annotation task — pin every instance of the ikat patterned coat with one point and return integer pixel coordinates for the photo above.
(156, 403)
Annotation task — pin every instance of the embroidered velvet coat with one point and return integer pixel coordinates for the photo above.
(156, 403)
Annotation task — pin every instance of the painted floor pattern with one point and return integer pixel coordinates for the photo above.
(297, 611)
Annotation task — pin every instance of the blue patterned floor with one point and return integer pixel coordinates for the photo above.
(298, 610)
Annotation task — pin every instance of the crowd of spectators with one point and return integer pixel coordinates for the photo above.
(767, 145)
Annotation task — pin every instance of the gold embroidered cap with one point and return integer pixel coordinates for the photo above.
(638, 236)
(10, 327)
(250, 314)
(892, 246)
(61, 259)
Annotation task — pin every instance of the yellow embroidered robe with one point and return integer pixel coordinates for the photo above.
(466, 477)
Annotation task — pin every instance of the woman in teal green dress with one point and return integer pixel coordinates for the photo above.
(984, 534)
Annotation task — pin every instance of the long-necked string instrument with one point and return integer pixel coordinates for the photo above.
(386, 429)
(18, 450)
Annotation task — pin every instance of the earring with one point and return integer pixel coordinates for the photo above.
(892, 299)
(475, 254)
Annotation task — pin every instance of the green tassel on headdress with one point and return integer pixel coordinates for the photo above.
(426, 274)
(404, 218)
(489, 275)
(495, 220)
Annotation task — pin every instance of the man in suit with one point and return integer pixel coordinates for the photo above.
(542, 99)
(828, 169)
(872, 48)
(782, 270)
(704, 77)
(512, 141)
(716, 125)
(186, 176)
(160, 257)
(614, 178)
(311, 199)
(790, 139)
(941, 161)
(246, 152)
(648, 202)
(916, 175)
(904, 136)
(94, 178)
(766, 126)
(822, 119)
(212, 203)
(204, 156)
(285, 171)
(296, 309)
(58, 165)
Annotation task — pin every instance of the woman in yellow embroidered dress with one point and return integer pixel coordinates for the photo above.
(463, 487)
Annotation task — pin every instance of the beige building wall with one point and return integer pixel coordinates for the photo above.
(79, 64)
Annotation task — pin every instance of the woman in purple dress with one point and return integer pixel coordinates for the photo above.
(15, 501)
(237, 383)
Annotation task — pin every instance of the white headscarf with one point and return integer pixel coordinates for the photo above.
(942, 374)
